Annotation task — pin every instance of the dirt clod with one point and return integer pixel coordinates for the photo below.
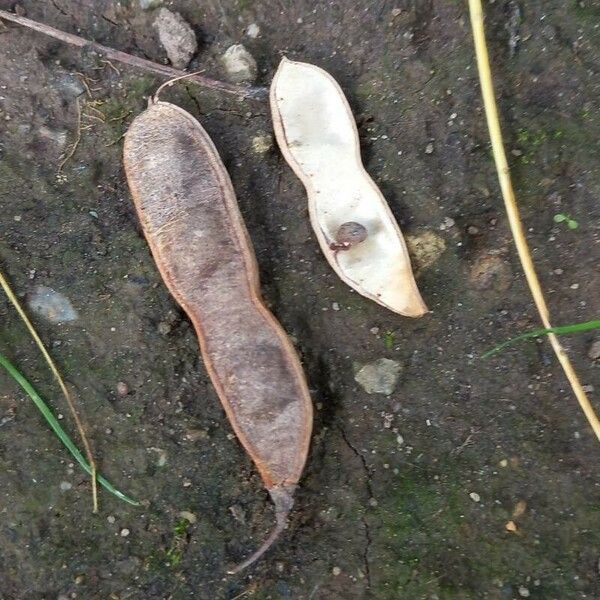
(425, 248)
(490, 272)
(240, 65)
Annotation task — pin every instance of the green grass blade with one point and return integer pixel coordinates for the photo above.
(574, 328)
(58, 430)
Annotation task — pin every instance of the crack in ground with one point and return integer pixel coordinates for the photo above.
(105, 18)
(365, 523)
(194, 100)
(366, 551)
(218, 109)
(61, 10)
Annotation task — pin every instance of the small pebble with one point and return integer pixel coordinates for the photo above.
(122, 388)
(125, 532)
(239, 64)
(574, 286)
(447, 223)
(503, 463)
(511, 526)
(188, 516)
(253, 31)
(475, 496)
(519, 509)
(429, 148)
(399, 440)
(523, 592)
(472, 230)
(51, 305)
(261, 144)
(150, 4)
(164, 328)
(238, 513)
(374, 330)
(379, 377)
(336, 571)
(594, 351)
(194, 435)
(110, 519)
(65, 486)
(55, 136)
(335, 306)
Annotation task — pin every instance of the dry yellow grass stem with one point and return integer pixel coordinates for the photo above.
(86, 444)
(510, 201)
(71, 152)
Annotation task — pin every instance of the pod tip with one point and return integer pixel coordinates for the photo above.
(283, 499)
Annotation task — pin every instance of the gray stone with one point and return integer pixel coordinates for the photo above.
(594, 351)
(150, 4)
(239, 64)
(70, 85)
(51, 305)
(253, 31)
(55, 136)
(379, 377)
(177, 37)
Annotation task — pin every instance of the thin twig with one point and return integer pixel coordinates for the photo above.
(510, 202)
(134, 61)
(71, 152)
(86, 444)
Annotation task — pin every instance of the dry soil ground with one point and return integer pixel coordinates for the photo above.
(405, 496)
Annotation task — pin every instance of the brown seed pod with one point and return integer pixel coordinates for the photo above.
(189, 214)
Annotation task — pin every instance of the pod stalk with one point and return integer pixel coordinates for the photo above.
(283, 499)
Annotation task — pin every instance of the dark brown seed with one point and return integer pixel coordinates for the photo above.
(351, 233)
(189, 214)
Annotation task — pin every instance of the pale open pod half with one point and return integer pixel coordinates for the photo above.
(357, 232)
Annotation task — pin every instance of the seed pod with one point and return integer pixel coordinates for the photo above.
(189, 214)
(318, 138)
